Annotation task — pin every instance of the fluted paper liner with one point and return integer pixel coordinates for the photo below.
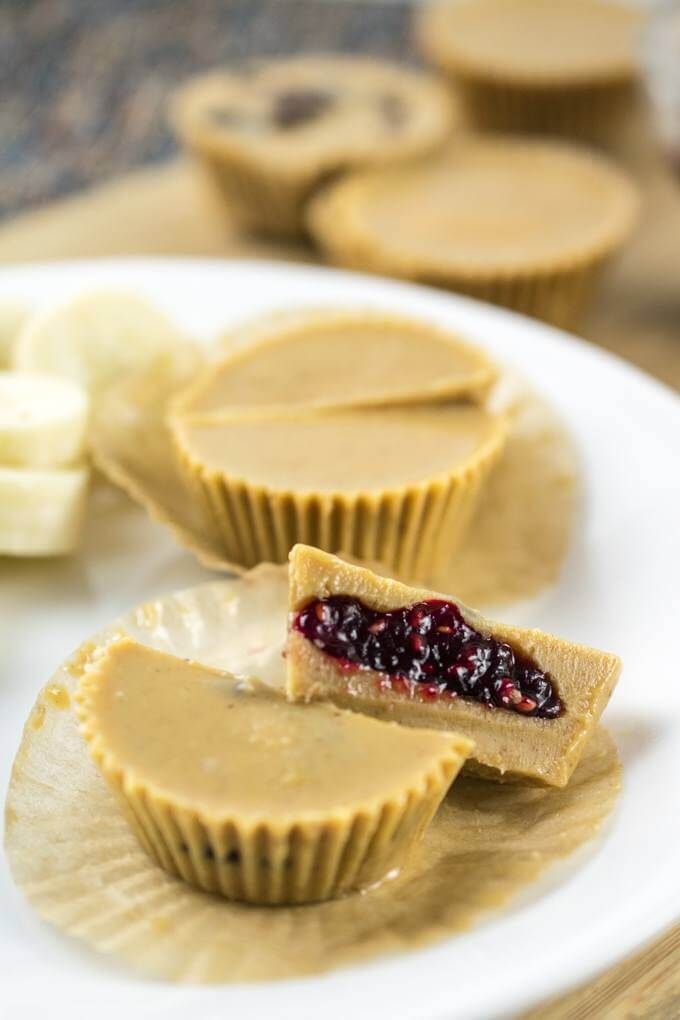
(258, 199)
(76, 859)
(283, 858)
(555, 288)
(409, 528)
(590, 113)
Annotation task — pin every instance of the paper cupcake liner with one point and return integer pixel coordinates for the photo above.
(559, 297)
(408, 530)
(590, 112)
(305, 863)
(260, 201)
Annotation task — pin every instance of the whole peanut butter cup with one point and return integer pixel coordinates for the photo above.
(523, 223)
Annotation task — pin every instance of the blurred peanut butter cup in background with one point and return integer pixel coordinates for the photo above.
(379, 445)
(528, 224)
(551, 66)
(269, 133)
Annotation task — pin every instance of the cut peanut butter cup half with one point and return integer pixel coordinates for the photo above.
(236, 790)
(528, 700)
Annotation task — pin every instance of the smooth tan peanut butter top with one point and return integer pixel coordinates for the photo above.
(482, 205)
(341, 360)
(344, 451)
(552, 40)
(215, 743)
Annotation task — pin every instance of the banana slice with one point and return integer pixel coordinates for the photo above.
(13, 315)
(42, 420)
(41, 512)
(95, 338)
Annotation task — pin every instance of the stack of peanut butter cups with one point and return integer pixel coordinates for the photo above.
(379, 445)
(395, 172)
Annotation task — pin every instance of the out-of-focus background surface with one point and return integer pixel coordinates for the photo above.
(84, 96)
(84, 85)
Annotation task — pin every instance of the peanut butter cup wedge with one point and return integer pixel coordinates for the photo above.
(528, 700)
(238, 791)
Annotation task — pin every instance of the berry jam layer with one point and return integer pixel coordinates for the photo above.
(430, 648)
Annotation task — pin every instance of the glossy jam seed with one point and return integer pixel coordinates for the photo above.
(430, 651)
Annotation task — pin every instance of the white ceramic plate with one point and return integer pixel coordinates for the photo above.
(619, 591)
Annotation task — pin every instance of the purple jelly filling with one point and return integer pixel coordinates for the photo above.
(429, 648)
